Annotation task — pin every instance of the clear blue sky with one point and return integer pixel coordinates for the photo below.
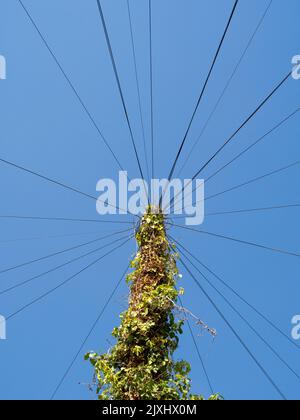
(44, 128)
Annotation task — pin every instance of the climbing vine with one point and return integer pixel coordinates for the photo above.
(141, 365)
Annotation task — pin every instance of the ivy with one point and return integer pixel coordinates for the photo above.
(141, 365)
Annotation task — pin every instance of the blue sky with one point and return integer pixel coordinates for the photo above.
(44, 128)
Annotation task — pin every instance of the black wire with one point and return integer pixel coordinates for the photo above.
(245, 320)
(293, 254)
(138, 88)
(243, 125)
(241, 211)
(247, 323)
(61, 252)
(44, 237)
(245, 150)
(46, 178)
(236, 132)
(234, 332)
(203, 90)
(198, 352)
(78, 97)
(254, 144)
(267, 320)
(227, 85)
(23, 283)
(65, 282)
(60, 184)
(251, 181)
(120, 88)
(88, 336)
(151, 89)
(64, 219)
(289, 206)
(71, 85)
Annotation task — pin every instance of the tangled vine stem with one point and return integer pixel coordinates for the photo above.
(189, 314)
(141, 365)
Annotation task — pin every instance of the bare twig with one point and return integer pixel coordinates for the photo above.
(199, 322)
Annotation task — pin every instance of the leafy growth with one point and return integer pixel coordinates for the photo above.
(141, 366)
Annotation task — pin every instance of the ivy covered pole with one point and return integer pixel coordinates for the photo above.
(141, 365)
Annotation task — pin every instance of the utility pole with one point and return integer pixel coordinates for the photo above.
(141, 365)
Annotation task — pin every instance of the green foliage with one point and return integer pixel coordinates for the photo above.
(140, 366)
